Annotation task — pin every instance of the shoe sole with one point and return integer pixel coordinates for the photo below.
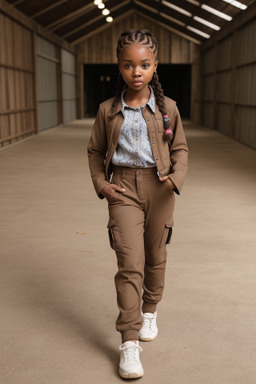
(148, 338)
(132, 375)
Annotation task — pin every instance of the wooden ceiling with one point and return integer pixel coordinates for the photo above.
(73, 20)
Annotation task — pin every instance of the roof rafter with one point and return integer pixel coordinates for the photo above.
(70, 17)
(175, 15)
(73, 19)
(171, 23)
(120, 11)
(93, 17)
(49, 8)
(197, 11)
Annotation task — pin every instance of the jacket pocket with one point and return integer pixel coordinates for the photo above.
(167, 235)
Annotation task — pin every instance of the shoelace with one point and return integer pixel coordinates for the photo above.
(147, 321)
(130, 351)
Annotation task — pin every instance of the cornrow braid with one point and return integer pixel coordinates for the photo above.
(147, 39)
(159, 95)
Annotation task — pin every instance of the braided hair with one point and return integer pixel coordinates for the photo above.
(148, 40)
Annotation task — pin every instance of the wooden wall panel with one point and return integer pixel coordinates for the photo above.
(208, 89)
(224, 86)
(245, 43)
(48, 96)
(207, 60)
(246, 82)
(207, 114)
(231, 62)
(17, 103)
(68, 79)
(246, 125)
(223, 118)
(224, 54)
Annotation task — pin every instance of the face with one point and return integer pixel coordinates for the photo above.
(137, 65)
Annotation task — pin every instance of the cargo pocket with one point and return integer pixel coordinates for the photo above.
(110, 227)
(167, 235)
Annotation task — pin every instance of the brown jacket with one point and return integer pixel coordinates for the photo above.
(170, 160)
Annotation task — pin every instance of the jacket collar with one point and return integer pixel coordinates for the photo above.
(150, 103)
(121, 104)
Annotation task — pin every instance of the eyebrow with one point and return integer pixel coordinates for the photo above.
(130, 61)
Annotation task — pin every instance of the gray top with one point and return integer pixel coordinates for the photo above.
(134, 149)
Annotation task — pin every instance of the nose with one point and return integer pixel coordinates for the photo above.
(136, 72)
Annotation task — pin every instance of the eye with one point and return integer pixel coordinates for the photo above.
(145, 66)
(127, 66)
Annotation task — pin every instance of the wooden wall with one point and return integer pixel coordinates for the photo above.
(228, 81)
(17, 81)
(173, 49)
(19, 73)
(68, 79)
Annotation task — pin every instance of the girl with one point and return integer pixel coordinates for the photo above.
(138, 159)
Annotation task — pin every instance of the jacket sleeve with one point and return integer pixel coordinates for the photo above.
(97, 150)
(178, 152)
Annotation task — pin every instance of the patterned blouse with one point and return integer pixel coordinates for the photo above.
(133, 148)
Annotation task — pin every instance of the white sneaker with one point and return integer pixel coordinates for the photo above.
(149, 330)
(130, 366)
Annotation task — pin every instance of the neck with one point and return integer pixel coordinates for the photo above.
(136, 99)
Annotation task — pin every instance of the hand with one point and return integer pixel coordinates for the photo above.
(110, 189)
(171, 185)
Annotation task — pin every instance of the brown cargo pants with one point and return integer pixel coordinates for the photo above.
(140, 226)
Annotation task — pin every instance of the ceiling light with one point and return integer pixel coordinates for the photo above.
(101, 5)
(215, 12)
(199, 32)
(105, 12)
(236, 4)
(109, 19)
(205, 22)
(97, 2)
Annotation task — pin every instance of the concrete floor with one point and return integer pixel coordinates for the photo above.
(58, 305)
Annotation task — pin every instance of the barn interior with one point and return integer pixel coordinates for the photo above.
(57, 64)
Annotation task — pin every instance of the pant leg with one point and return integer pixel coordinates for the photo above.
(158, 231)
(140, 226)
(126, 230)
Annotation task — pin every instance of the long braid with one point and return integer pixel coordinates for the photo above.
(147, 39)
(159, 95)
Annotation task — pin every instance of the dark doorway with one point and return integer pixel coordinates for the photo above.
(176, 83)
(100, 84)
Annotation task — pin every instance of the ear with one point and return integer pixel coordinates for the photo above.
(156, 65)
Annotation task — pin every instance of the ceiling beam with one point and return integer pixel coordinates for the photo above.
(175, 15)
(17, 2)
(46, 9)
(102, 28)
(197, 11)
(121, 11)
(70, 17)
(242, 18)
(169, 28)
(163, 20)
(95, 19)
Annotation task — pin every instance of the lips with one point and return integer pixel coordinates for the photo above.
(137, 82)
